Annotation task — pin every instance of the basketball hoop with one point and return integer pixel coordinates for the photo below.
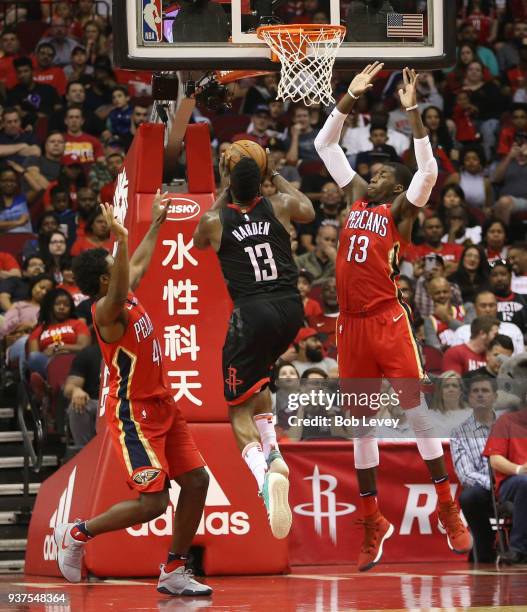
(307, 53)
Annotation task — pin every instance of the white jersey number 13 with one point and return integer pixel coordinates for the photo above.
(263, 262)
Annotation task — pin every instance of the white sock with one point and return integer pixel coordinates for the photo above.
(264, 424)
(254, 458)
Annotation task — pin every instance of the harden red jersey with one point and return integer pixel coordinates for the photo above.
(135, 362)
(367, 259)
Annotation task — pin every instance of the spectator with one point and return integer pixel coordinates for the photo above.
(80, 145)
(8, 266)
(37, 172)
(486, 305)
(511, 175)
(515, 133)
(119, 120)
(16, 144)
(438, 129)
(467, 443)
(310, 353)
(453, 196)
(406, 289)
(139, 116)
(75, 97)
(267, 188)
(93, 41)
(494, 234)
(509, 303)
(445, 318)
(518, 260)
(457, 231)
(325, 323)
(433, 231)
(481, 16)
(60, 41)
(472, 355)
(61, 205)
(59, 331)
(311, 307)
(17, 288)
(430, 267)
(476, 186)
(114, 163)
(455, 78)
(44, 72)
(380, 151)
(321, 261)
(10, 45)
(331, 203)
(467, 34)
(472, 273)
(55, 255)
(22, 317)
(261, 92)
(498, 351)
(97, 235)
(14, 213)
(82, 389)
(86, 205)
(448, 409)
(508, 457)
(79, 69)
(301, 140)
(69, 283)
(258, 130)
(509, 53)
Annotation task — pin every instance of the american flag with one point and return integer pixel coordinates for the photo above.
(403, 25)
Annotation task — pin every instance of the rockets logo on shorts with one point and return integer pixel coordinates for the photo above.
(142, 477)
(152, 21)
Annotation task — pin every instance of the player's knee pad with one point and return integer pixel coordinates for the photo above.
(430, 447)
(366, 452)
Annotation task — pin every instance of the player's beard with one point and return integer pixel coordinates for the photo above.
(314, 355)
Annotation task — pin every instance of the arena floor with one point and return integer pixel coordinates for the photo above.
(394, 587)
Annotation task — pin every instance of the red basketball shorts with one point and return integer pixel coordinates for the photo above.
(378, 346)
(152, 440)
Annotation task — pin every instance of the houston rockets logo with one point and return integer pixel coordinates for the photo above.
(232, 382)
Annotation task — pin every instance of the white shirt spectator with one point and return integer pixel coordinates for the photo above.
(519, 284)
(471, 233)
(356, 140)
(462, 336)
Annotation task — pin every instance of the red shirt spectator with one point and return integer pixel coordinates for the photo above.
(8, 266)
(463, 359)
(43, 70)
(66, 332)
(448, 251)
(517, 131)
(86, 148)
(508, 439)
(11, 47)
(83, 243)
(139, 82)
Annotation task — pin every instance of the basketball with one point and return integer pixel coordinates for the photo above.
(158, 19)
(248, 148)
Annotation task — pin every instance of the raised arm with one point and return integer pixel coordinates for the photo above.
(327, 140)
(299, 206)
(143, 254)
(406, 205)
(109, 309)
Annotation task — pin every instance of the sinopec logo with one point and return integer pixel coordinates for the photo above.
(182, 209)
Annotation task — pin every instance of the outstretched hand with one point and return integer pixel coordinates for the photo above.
(408, 94)
(363, 81)
(119, 231)
(159, 207)
(225, 175)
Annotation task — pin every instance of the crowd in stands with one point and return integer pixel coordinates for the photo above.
(68, 117)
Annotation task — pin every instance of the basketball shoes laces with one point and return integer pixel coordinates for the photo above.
(181, 582)
(69, 552)
(457, 535)
(377, 529)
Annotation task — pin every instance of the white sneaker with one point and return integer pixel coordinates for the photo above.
(69, 552)
(181, 582)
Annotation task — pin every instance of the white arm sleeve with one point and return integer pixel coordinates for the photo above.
(426, 176)
(327, 146)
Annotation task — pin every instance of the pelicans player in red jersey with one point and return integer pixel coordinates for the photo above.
(147, 430)
(374, 334)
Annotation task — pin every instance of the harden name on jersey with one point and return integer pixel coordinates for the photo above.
(257, 228)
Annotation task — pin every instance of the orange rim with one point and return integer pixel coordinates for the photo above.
(309, 31)
(230, 76)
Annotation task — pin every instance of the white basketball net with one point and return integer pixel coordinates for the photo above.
(307, 59)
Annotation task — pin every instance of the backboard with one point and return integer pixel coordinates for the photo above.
(220, 34)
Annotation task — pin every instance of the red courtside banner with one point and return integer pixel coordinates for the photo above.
(324, 499)
(185, 295)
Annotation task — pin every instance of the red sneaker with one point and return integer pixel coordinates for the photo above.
(377, 530)
(457, 535)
